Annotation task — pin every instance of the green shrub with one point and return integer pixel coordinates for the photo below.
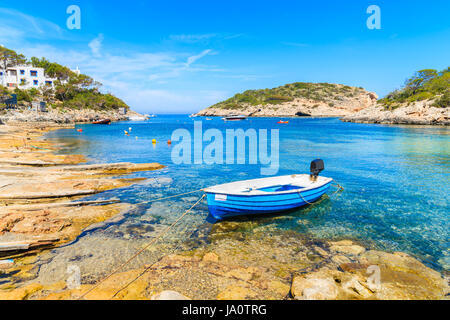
(276, 99)
(425, 84)
(94, 100)
(23, 95)
(443, 101)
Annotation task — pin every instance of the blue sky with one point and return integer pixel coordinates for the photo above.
(182, 56)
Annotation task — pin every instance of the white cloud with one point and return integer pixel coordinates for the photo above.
(192, 38)
(192, 59)
(16, 26)
(135, 77)
(165, 100)
(203, 38)
(96, 45)
(145, 79)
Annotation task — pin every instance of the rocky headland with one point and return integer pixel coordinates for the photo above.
(296, 99)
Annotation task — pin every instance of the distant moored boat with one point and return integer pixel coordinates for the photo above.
(102, 121)
(234, 117)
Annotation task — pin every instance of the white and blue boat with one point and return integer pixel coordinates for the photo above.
(267, 195)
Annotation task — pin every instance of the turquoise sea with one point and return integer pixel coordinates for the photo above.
(396, 181)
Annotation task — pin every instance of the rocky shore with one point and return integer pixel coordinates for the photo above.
(420, 113)
(235, 265)
(66, 116)
(40, 194)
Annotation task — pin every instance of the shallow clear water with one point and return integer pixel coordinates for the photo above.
(396, 182)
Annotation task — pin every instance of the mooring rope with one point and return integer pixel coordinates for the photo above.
(154, 240)
(304, 198)
(142, 250)
(337, 184)
(170, 197)
(149, 267)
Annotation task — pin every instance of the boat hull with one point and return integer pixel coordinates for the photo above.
(222, 206)
(234, 118)
(102, 121)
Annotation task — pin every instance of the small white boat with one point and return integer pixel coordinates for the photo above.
(234, 117)
(267, 195)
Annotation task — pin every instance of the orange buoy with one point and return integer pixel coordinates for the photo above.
(169, 141)
(154, 141)
(80, 130)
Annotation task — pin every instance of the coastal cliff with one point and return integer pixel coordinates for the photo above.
(296, 99)
(425, 99)
(417, 113)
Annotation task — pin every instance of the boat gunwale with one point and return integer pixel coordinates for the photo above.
(263, 193)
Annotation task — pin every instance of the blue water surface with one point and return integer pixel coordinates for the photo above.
(395, 178)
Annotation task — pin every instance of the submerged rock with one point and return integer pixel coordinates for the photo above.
(347, 247)
(316, 286)
(210, 257)
(236, 292)
(378, 275)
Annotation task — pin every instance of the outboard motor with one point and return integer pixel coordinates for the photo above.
(316, 167)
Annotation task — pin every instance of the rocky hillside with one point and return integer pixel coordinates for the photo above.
(296, 99)
(425, 99)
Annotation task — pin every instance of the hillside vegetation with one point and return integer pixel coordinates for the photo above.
(427, 84)
(70, 91)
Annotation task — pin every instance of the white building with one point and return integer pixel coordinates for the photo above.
(26, 77)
